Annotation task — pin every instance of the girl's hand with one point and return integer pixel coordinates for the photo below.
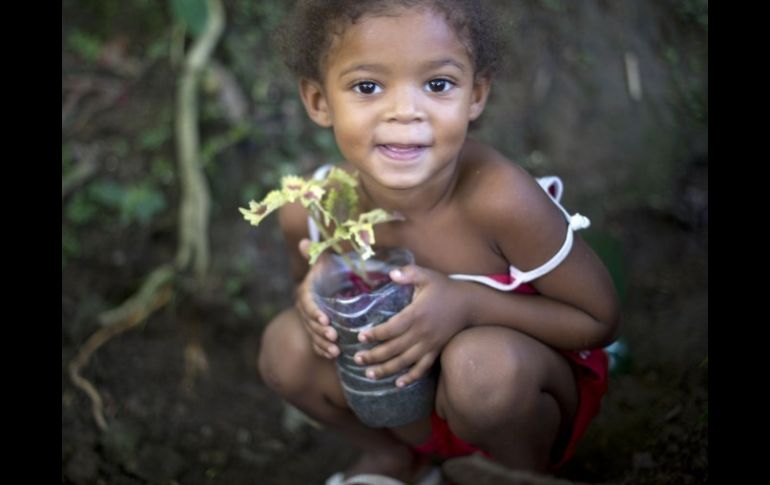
(416, 335)
(316, 322)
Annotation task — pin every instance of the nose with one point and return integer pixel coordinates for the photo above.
(405, 105)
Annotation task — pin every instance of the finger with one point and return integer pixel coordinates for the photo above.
(396, 364)
(397, 325)
(418, 370)
(382, 352)
(308, 307)
(324, 352)
(328, 349)
(329, 334)
(304, 248)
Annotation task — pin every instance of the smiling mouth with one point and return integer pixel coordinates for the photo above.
(398, 151)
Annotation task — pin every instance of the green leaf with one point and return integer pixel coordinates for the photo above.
(87, 46)
(70, 246)
(341, 176)
(155, 137)
(241, 308)
(192, 13)
(80, 209)
(108, 194)
(141, 203)
(317, 248)
(341, 203)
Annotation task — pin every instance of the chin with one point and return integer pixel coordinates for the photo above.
(400, 182)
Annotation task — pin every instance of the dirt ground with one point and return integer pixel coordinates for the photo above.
(221, 424)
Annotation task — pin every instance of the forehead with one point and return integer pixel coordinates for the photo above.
(402, 36)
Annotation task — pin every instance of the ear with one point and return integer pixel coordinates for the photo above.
(481, 86)
(314, 99)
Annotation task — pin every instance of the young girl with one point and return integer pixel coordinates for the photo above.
(512, 307)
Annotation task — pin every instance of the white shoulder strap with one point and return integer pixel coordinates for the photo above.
(312, 229)
(554, 187)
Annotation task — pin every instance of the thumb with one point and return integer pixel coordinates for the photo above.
(304, 248)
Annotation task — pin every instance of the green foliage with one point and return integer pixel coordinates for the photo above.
(355, 227)
(326, 144)
(554, 5)
(81, 209)
(86, 45)
(141, 203)
(233, 288)
(105, 18)
(341, 201)
(695, 11)
(157, 49)
(66, 158)
(70, 246)
(108, 194)
(216, 144)
(137, 203)
(162, 170)
(153, 138)
(191, 13)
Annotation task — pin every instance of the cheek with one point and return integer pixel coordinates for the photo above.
(351, 142)
(453, 126)
(352, 128)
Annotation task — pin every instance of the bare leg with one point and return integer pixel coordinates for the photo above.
(508, 394)
(290, 367)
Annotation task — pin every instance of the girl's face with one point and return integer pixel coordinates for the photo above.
(399, 93)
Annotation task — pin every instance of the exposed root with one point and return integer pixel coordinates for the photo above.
(193, 243)
(154, 293)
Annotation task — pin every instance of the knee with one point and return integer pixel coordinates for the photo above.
(485, 380)
(285, 355)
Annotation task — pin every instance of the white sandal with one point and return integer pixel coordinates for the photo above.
(433, 477)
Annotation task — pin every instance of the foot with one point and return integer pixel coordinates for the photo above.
(399, 462)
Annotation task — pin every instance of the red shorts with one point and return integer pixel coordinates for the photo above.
(592, 373)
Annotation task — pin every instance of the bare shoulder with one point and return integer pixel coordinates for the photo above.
(508, 204)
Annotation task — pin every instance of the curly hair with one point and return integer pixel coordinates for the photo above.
(306, 36)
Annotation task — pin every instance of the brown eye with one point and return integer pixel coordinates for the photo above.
(366, 87)
(439, 85)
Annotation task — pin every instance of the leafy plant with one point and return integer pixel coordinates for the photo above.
(334, 207)
(87, 46)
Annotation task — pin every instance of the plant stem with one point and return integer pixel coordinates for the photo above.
(360, 271)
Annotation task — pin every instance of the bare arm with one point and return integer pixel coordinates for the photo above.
(564, 317)
(576, 309)
(577, 306)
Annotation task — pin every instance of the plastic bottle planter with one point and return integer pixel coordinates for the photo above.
(351, 308)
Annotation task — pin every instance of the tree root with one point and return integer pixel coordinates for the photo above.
(193, 245)
(154, 293)
(194, 210)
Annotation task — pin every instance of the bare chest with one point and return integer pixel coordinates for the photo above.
(447, 243)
